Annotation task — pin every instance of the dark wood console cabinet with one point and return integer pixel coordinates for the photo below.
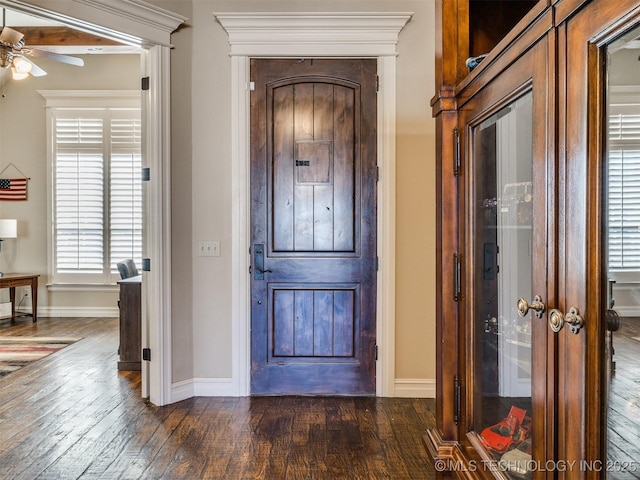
(130, 306)
(521, 248)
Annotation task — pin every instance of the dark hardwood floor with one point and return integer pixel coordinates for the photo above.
(74, 415)
(624, 400)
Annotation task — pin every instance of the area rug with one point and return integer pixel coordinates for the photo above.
(16, 352)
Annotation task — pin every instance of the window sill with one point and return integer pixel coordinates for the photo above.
(82, 287)
(622, 277)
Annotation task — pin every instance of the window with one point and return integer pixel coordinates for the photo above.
(96, 190)
(624, 185)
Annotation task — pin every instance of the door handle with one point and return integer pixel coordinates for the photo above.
(557, 320)
(258, 262)
(537, 306)
(612, 319)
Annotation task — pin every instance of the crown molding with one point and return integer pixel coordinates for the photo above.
(313, 34)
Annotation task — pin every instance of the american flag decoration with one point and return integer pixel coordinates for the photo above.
(13, 188)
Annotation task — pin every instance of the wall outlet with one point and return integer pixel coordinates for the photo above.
(209, 248)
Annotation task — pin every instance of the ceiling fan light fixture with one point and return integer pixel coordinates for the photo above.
(18, 75)
(21, 65)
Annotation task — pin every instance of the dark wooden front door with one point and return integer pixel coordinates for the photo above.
(313, 226)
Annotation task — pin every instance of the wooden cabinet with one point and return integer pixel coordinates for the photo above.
(469, 28)
(130, 350)
(522, 371)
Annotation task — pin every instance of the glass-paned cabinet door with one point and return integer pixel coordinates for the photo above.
(505, 303)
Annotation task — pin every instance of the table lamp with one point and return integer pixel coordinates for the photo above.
(8, 229)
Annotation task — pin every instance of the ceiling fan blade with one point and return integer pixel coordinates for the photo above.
(58, 57)
(36, 71)
(9, 36)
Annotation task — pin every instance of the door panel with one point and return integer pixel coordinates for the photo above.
(313, 323)
(313, 226)
(313, 170)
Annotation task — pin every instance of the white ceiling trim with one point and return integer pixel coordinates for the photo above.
(313, 34)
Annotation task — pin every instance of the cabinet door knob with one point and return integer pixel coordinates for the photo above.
(537, 306)
(557, 320)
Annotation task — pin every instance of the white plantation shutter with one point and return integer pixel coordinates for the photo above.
(79, 212)
(125, 202)
(97, 192)
(624, 187)
(79, 189)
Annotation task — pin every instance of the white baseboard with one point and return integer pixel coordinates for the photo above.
(201, 387)
(631, 311)
(102, 312)
(415, 388)
(223, 387)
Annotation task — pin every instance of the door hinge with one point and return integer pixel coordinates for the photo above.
(456, 400)
(144, 84)
(456, 152)
(377, 174)
(377, 83)
(376, 352)
(457, 272)
(146, 354)
(146, 264)
(146, 174)
(251, 86)
(377, 263)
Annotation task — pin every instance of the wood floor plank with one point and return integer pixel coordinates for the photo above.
(163, 422)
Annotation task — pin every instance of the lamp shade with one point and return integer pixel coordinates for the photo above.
(8, 228)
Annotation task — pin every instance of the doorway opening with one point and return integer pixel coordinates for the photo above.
(339, 35)
(154, 38)
(621, 234)
(313, 224)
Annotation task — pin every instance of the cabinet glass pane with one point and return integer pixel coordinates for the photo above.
(502, 152)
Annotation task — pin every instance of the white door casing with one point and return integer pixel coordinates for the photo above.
(329, 35)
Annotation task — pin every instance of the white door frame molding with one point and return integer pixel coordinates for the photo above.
(145, 25)
(335, 35)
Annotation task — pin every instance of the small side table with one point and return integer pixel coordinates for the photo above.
(13, 280)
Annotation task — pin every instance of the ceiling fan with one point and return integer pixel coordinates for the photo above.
(14, 54)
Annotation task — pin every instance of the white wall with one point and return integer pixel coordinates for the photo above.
(22, 142)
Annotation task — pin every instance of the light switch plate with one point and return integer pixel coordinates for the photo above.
(209, 248)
